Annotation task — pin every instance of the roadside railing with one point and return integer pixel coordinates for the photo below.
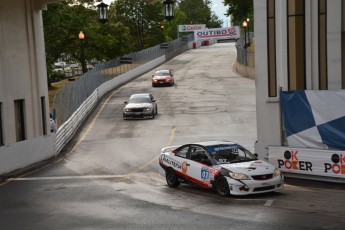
(70, 97)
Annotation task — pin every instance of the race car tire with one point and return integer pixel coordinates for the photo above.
(222, 186)
(171, 178)
(156, 109)
(153, 114)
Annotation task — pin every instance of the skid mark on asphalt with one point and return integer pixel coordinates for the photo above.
(171, 138)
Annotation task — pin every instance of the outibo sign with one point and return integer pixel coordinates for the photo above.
(191, 28)
(217, 33)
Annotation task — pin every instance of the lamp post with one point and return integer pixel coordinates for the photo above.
(82, 56)
(248, 31)
(244, 24)
(169, 9)
(102, 12)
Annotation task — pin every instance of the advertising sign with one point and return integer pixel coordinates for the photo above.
(315, 162)
(191, 28)
(217, 33)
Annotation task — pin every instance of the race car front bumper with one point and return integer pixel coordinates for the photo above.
(247, 187)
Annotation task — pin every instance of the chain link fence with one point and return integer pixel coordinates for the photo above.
(71, 96)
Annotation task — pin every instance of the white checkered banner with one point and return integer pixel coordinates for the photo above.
(314, 119)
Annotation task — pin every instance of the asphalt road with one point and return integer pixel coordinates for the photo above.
(109, 178)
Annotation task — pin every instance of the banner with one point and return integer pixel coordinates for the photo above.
(191, 28)
(217, 33)
(314, 119)
(314, 162)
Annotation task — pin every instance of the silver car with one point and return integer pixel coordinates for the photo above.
(140, 106)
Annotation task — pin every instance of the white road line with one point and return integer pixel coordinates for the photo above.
(68, 177)
(268, 203)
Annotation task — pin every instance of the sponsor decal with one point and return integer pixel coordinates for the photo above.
(291, 162)
(184, 167)
(337, 166)
(191, 28)
(205, 173)
(222, 147)
(171, 162)
(217, 33)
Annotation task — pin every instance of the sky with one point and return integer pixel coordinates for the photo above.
(217, 7)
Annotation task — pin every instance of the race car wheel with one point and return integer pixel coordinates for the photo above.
(172, 178)
(153, 114)
(156, 109)
(222, 186)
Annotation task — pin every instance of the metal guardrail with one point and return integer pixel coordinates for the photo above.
(76, 100)
(244, 56)
(69, 98)
(69, 128)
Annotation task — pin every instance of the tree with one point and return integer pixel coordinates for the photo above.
(199, 12)
(240, 10)
(141, 19)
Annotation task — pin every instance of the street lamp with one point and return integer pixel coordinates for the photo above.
(248, 31)
(169, 9)
(82, 56)
(244, 24)
(102, 12)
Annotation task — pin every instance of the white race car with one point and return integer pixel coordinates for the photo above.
(224, 166)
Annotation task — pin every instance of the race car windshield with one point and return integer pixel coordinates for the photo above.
(162, 73)
(227, 154)
(139, 100)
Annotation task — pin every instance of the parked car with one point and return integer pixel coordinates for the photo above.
(74, 65)
(140, 106)
(163, 77)
(224, 166)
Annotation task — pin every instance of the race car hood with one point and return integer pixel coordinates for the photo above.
(257, 167)
(138, 105)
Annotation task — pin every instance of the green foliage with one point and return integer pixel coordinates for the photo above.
(240, 10)
(133, 25)
(141, 19)
(55, 76)
(199, 12)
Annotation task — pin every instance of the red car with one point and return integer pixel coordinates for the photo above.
(162, 77)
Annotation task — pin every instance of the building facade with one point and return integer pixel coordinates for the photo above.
(25, 136)
(299, 45)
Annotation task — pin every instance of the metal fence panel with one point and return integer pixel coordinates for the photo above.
(71, 96)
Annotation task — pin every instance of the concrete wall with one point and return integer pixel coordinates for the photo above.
(23, 76)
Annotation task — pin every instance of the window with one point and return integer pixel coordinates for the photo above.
(323, 79)
(19, 119)
(44, 117)
(296, 45)
(271, 49)
(182, 152)
(1, 135)
(198, 154)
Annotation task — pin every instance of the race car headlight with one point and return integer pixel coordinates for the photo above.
(276, 172)
(239, 176)
(148, 109)
(127, 110)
